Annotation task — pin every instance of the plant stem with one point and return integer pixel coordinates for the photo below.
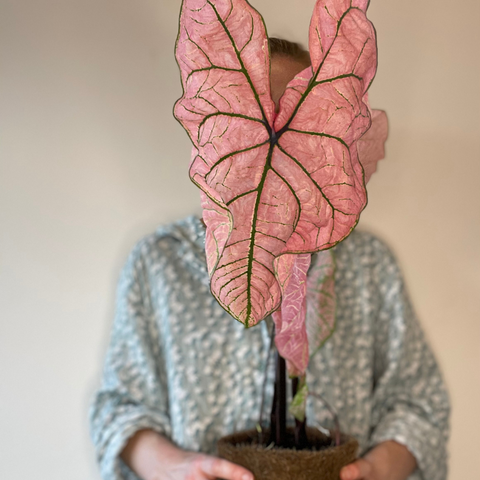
(265, 378)
(301, 440)
(279, 407)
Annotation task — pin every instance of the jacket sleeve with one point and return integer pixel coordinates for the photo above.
(133, 394)
(410, 400)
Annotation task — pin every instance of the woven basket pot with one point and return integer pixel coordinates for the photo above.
(321, 461)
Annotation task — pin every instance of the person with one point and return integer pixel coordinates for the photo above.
(180, 372)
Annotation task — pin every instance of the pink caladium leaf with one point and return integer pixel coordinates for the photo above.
(317, 326)
(371, 147)
(321, 300)
(219, 222)
(290, 329)
(276, 187)
(306, 318)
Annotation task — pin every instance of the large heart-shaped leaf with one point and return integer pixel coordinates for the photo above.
(274, 185)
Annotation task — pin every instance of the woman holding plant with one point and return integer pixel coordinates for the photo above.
(179, 372)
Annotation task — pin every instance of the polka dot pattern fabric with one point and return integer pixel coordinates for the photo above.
(179, 364)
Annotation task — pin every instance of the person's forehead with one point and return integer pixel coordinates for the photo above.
(287, 61)
(284, 67)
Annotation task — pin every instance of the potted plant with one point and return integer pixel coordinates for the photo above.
(278, 186)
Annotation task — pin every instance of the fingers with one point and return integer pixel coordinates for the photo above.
(358, 470)
(219, 468)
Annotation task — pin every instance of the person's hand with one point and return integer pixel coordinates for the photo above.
(195, 466)
(153, 457)
(387, 461)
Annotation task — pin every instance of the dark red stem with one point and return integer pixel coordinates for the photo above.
(301, 440)
(279, 407)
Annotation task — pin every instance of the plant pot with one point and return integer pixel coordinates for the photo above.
(321, 460)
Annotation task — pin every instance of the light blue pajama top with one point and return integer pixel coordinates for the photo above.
(179, 364)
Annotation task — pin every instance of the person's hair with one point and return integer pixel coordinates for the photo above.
(285, 48)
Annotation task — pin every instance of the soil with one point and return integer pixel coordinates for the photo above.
(319, 460)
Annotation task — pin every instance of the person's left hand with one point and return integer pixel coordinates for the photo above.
(387, 461)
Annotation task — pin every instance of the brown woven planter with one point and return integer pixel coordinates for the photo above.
(321, 461)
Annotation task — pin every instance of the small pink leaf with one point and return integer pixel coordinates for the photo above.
(290, 333)
(371, 147)
(306, 318)
(321, 300)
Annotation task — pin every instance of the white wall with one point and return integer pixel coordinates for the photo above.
(91, 159)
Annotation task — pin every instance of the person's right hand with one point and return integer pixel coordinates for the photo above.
(153, 457)
(195, 466)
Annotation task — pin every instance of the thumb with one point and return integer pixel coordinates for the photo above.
(215, 467)
(358, 470)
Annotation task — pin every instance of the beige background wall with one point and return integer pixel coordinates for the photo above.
(91, 159)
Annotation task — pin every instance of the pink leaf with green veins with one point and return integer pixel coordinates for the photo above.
(321, 300)
(306, 318)
(274, 185)
(219, 221)
(290, 332)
